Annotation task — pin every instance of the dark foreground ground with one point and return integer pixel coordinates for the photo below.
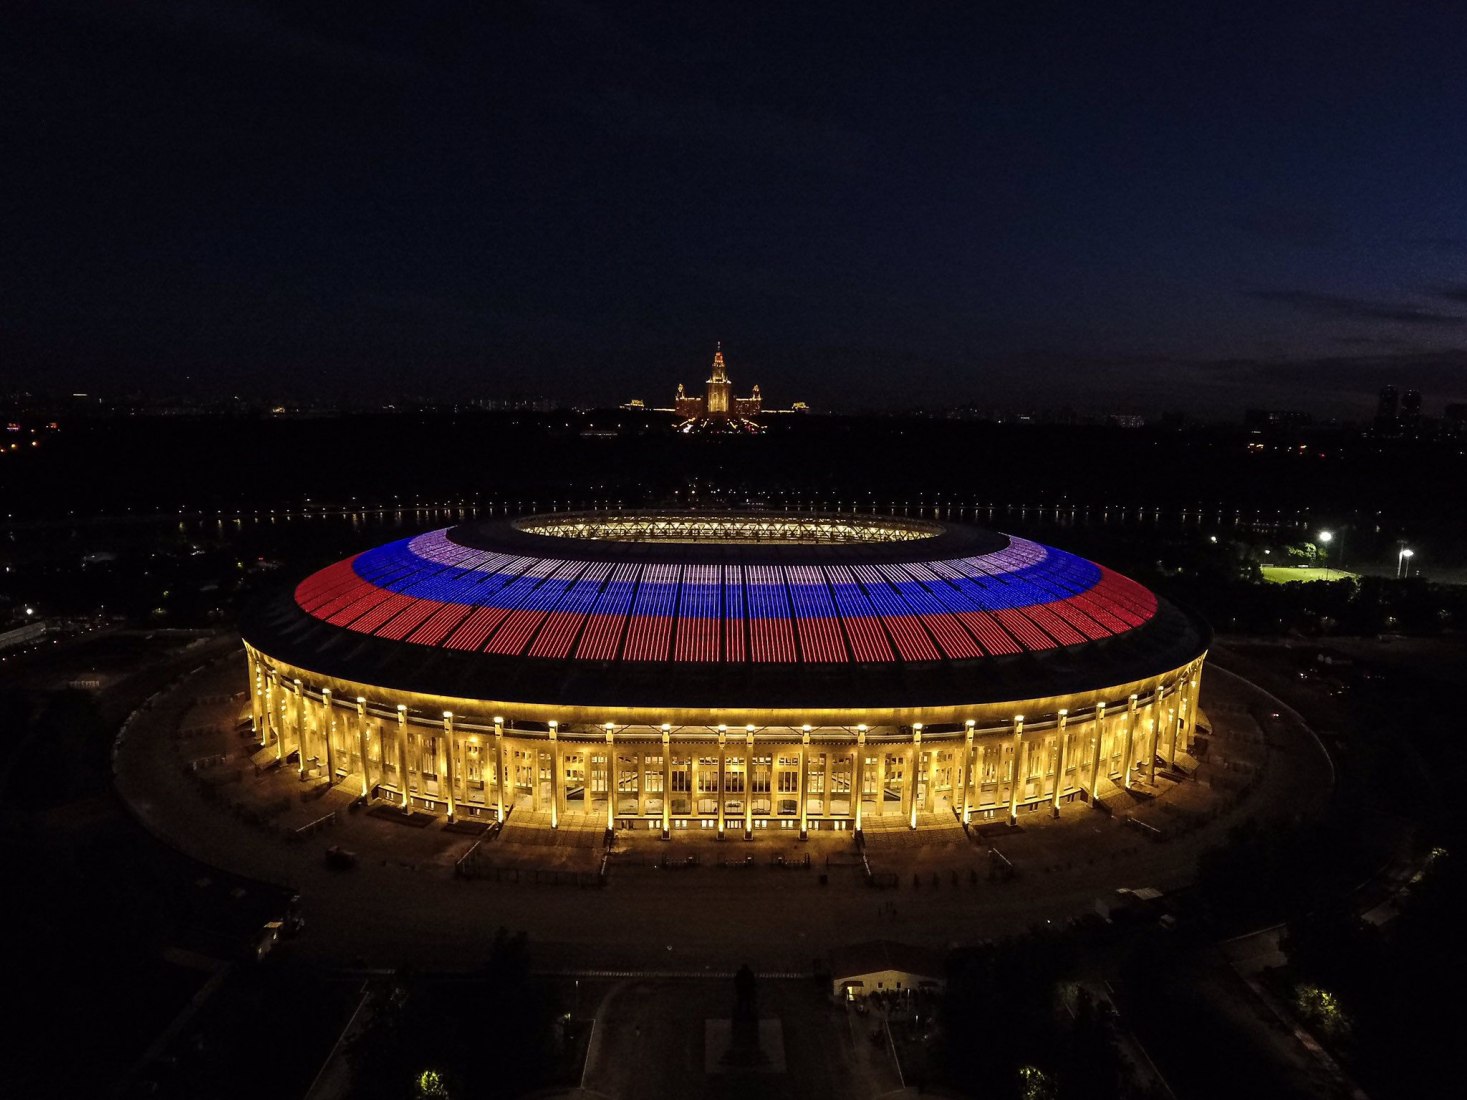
(125, 947)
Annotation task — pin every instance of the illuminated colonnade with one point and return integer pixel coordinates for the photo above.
(635, 768)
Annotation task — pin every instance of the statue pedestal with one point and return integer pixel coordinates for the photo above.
(743, 1046)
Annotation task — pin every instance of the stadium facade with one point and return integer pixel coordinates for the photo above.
(731, 672)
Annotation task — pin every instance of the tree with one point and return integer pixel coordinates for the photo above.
(428, 1034)
(1302, 553)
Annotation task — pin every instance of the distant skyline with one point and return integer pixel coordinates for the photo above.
(1197, 207)
(1093, 403)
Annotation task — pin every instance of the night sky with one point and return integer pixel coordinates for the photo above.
(1124, 206)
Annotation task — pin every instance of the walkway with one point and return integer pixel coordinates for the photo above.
(402, 903)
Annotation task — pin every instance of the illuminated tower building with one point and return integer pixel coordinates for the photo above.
(719, 387)
(718, 410)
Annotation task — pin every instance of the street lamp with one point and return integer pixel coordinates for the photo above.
(1325, 538)
(1403, 563)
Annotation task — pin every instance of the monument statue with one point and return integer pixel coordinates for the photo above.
(743, 1049)
(746, 997)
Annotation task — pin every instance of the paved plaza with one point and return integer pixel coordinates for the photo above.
(650, 1040)
(186, 765)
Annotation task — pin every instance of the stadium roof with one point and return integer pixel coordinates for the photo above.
(751, 611)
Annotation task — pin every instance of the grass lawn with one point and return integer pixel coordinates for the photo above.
(1283, 574)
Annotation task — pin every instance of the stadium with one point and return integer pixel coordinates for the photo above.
(731, 672)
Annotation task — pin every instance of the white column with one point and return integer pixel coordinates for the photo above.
(967, 770)
(1173, 721)
(448, 771)
(611, 778)
(1095, 759)
(555, 774)
(722, 735)
(258, 708)
(858, 774)
(1155, 733)
(804, 782)
(749, 782)
(362, 745)
(1196, 701)
(667, 782)
(1130, 760)
(929, 800)
(1062, 733)
(300, 727)
(909, 780)
(328, 727)
(404, 781)
(1184, 711)
(499, 764)
(272, 719)
(1014, 771)
(273, 723)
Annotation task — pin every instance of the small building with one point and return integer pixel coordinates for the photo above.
(883, 966)
(1127, 903)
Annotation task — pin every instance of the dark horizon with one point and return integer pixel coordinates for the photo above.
(1194, 209)
(1236, 386)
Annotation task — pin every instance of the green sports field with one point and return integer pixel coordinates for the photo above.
(1283, 574)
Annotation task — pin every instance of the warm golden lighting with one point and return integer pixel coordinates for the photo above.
(735, 528)
(574, 756)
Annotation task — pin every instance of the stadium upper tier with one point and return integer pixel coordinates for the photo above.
(747, 609)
